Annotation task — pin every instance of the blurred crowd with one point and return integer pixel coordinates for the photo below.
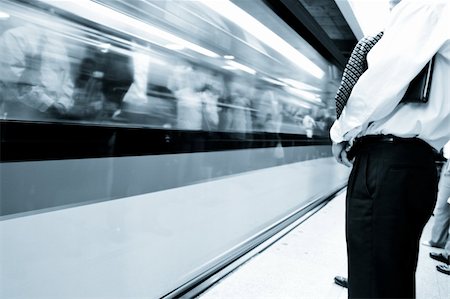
(48, 76)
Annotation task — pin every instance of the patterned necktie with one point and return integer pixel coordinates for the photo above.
(356, 66)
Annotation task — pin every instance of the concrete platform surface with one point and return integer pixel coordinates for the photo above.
(303, 263)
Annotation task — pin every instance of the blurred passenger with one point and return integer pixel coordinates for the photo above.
(197, 92)
(184, 86)
(326, 121)
(137, 93)
(210, 95)
(268, 112)
(441, 228)
(140, 105)
(394, 161)
(118, 75)
(34, 73)
(162, 106)
(88, 95)
(104, 77)
(239, 116)
(309, 124)
(85, 72)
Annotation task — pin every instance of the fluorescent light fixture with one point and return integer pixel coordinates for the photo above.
(242, 67)
(306, 95)
(229, 67)
(299, 85)
(200, 50)
(4, 15)
(106, 16)
(238, 16)
(297, 102)
(304, 105)
(228, 56)
(273, 81)
(176, 47)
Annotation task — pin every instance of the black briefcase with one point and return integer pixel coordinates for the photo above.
(419, 89)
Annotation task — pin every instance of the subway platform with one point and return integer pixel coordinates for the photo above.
(303, 263)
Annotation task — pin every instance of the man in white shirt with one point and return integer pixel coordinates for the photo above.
(392, 188)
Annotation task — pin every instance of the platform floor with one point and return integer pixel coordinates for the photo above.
(303, 263)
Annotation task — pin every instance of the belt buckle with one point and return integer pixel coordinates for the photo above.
(390, 139)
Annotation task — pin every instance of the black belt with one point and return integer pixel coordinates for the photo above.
(386, 139)
(377, 139)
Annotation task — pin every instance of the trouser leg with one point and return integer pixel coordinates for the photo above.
(441, 225)
(390, 197)
(447, 246)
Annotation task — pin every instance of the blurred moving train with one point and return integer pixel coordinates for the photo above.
(146, 143)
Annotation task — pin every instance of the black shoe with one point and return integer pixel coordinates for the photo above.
(341, 281)
(439, 257)
(443, 269)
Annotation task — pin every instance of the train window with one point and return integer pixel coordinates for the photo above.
(184, 65)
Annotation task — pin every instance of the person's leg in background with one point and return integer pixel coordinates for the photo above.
(441, 225)
(440, 234)
(386, 213)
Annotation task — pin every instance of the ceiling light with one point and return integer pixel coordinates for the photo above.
(295, 102)
(299, 85)
(228, 56)
(247, 22)
(4, 15)
(229, 67)
(176, 47)
(304, 105)
(106, 16)
(273, 81)
(306, 95)
(241, 67)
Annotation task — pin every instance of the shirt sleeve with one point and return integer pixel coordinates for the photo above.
(415, 33)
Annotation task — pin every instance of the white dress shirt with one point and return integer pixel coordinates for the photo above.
(417, 30)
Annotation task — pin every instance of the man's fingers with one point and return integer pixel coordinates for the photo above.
(345, 160)
(336, 150)
(340, 154)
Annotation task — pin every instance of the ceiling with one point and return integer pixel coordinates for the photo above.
(329, 17)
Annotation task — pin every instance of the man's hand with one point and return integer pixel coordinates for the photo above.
(340, 153)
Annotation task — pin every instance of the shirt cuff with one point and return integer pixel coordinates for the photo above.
(336, 132)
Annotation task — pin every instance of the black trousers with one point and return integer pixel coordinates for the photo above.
(390, 197)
